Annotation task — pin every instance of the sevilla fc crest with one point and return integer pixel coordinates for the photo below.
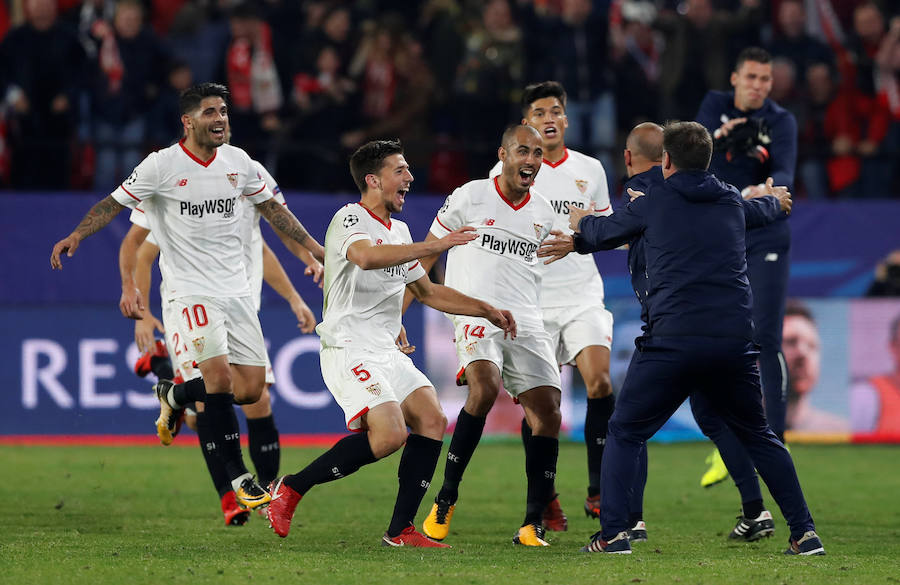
(232, 178)
(538, 230)
(581, 184)
(199, 344)
(374, 389)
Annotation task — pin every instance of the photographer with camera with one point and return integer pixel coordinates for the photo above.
(755, 138)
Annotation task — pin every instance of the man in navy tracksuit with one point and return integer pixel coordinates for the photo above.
(643, 160)
(755, 138)
(699, 336)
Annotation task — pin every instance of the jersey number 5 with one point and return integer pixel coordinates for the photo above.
(361, 374)
(200, 318)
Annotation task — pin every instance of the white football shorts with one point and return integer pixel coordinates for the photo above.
(360, 380)
(572, 329)
(525, 362)
(214, 326)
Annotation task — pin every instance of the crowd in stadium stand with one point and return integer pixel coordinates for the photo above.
(90, 87)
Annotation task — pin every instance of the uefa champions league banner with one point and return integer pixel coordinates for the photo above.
(69, 371)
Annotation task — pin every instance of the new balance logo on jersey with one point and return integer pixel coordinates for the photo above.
(182, 183)
(563, 207)
(515, 247)
(489, 222)
(223, 206)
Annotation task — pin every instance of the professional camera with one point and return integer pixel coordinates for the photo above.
(750, 138)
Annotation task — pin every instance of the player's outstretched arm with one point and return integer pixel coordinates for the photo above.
(145, 328)
(96, 219)
(131, 302)
(369, 257)
(449, 300)
(277, 278)
(285, 221)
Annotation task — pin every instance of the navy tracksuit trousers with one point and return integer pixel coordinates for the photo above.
(663, 373)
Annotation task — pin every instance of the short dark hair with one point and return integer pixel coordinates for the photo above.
(798, 309)
(755, 54)
(544, 89)
(369, 159)
(689, 145)
(190, 99)
(510, 132)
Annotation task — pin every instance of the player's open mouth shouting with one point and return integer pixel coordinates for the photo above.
(526, 175)
(217, 130)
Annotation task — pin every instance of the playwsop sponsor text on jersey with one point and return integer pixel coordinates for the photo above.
(563, 207)
(509, 246)
(224, 205)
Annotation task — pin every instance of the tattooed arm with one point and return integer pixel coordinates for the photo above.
(96, 219)
(284, 221)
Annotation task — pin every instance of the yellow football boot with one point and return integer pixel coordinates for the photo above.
(530, 535)
(717, 472)
(437, 524)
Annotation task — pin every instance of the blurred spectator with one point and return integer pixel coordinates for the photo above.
(868, 32)
(395, 91)
(856, 124)
(441, 24)
(638, 49)
(575, 50)
(887, 277)
(165, 126)
(696, 58)
(887, 83)
(784, 85)
(322, 109)
(488, 83)
(41, 68)
(199, 36)
(875, 403)
(84, 17)
(256, 95)
(324, 26)
(814, 147)
(128, 71)
(792, 41)
(802, 355)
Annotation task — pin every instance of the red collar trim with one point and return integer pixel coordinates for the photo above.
(559, 162)
(507, 201)
(195, 158)
(381, 221)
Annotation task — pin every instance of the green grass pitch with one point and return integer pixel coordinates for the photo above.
(115, 515)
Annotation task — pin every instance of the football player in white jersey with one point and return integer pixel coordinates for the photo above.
(572, 293)
(501, 267)
(190, 193)
(370, 260)
(262, 263)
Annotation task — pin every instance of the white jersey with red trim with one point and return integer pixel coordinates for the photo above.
(253, 247)
(501, 267)
(576, 180)
(193, 208)
(363, 307)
